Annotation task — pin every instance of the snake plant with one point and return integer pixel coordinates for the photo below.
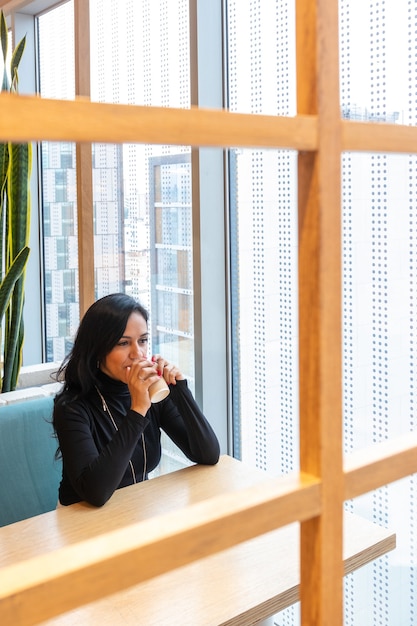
(15, 172)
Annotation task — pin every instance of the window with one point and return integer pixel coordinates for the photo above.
(126, 221)
(139, 241)
(59, 201)
(142, 198)
(378, 77)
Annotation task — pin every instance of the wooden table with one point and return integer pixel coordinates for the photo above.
(239, 586)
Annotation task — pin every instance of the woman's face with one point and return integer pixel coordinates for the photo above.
(131, 347)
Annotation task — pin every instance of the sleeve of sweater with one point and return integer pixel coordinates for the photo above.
(181, 418)
(95, 474)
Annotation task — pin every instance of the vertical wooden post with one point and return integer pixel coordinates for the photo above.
(319, 197)
(84, 160)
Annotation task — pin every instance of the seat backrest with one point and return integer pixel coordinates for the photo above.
(29, 473)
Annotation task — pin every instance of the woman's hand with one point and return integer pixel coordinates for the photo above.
(141, 375)
(170, 372)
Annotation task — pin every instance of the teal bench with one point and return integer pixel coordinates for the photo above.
(29, 472)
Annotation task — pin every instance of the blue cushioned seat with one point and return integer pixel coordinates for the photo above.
(29, 473)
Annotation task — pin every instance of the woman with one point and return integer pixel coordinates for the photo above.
(108, 430)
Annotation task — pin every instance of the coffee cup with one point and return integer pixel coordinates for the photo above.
(158, 390)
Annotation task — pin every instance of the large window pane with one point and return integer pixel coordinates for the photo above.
(142, 206)
(379, 315)
(140, 55)
(264, 308)
(59, 196)
(377, 60)
(378, 84)
(264, 241)
(141, 193)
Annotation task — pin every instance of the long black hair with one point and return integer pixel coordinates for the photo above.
(99, 331)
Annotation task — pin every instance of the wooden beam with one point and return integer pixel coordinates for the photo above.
(84, 162)
(42, 587)
(378, 137)
(383, 463)
(319, 210)
(30, 118)
(27, 118)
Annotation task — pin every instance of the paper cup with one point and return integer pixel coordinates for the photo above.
(158, 390)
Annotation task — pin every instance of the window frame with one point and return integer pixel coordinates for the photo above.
(210, 267)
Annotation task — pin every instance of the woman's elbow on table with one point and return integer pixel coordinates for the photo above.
(95, 497)
(98, 502)
(211, 456)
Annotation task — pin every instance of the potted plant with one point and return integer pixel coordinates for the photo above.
(15, 204)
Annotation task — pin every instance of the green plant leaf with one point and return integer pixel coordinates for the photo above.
(4, 167)
(14, 330)
(18, 194)
(4, 164)
(13, 335)
(18, 357)
(9, 281)
(14, 64)
(18, 212)
(4, 46)
(15, 205)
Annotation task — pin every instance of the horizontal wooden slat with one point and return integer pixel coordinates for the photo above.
(378, 137)
(30, 118)
(237, 587)
(39, 588)
(386, 462)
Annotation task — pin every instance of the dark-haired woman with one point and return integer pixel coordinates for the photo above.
(108, 429)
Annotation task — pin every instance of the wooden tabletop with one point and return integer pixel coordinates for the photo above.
(248, 582)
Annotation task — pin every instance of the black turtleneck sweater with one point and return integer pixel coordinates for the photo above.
(99, 458)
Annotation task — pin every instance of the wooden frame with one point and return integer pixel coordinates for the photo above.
(84, 161)
(320, 136)
(215, 590)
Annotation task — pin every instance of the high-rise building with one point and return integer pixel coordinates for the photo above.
(171, 260)
(59, 205)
